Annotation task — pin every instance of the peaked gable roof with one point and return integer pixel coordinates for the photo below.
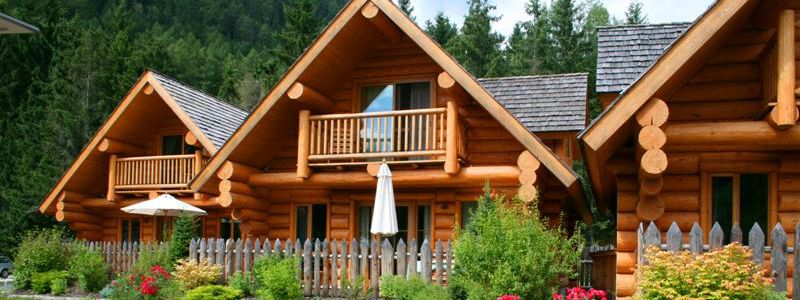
(197, 110)
(625, 52)
(545, 103)
(397, 18)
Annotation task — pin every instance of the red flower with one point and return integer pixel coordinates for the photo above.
(509, 297)
(557, 296)
(149, 286)
(158, 270)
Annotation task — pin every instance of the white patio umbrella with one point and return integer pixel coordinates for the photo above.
(164, 205)
(384, 214)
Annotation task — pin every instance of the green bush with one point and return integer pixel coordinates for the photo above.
(728, 273)
(157, 257)
(242, 283)
(58, 286)
(398, 288)
(213, 292)
(89, 267)
(38, 252)
(185, 229)
(40, 282)
(510, 249)
(355, 290)
(276, 278)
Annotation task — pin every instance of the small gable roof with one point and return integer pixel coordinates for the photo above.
(11, 25)
(625, 52)
(546, 103)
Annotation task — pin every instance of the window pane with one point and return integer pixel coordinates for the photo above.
(364, 222)
(402, 226)
(301, 225)
(722, 205)
(224, 228)
(753, 201)
(413, 95)
(467, 209)
(124, 230)
(319, 224)
(237, 234)
(377, 98)
(423, 223)
(171, 145)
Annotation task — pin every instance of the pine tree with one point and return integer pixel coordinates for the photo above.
(518, 53)
(302, 27)
(441, 29)
(406, 7)
(478, 47)
(634, 14)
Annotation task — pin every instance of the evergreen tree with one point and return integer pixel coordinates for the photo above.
(596, 17)
(477, 47)
(302, 27)
(441, 29)
(406, 7)
(519, 54)
(634, 14)
(185, 230)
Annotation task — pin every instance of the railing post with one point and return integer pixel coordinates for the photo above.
(198, 161)
(451, 144)
(111, 194)
(302, 144)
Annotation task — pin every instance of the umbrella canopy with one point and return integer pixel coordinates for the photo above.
(384, 215)
(164, 205)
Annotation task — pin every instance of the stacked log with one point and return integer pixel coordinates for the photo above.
(247, 201)
(651, 119)
(528, 165)
(79, 218)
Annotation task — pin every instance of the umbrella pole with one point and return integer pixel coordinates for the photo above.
(378, 285)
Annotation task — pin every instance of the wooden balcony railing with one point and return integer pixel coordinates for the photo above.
(153, 173)
(406, 135)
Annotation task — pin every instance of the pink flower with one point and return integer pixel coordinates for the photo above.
(158, 270)
(149, 286)
(509, 297)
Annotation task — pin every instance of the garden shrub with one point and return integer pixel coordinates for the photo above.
(213, 292)
(510, 249)
(38, 252)
(185, 229)
(156, 283)
(159, 256)
(191, 274)
(242, 283)
(395, 287)
(88, 267)
(355, 290)
(728, 273)
(40, 282)
(58, 286)
(276, 278)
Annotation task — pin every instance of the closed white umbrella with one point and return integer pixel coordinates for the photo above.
(164, 205)
(384, 214)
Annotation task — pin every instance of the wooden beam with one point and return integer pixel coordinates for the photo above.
(449, 85)
(468, 177)
(70, 196)
(730, 136)
(109, 145)
(767, 13)
(785, 113)
(111, 194)
(190, 139)
(655, 112)
(74, 216)
(303, 144)
(148, 89)
(70, 206)
(236, 171)
(372, 13)
(310, 97)
(229, 199)
(451, 165)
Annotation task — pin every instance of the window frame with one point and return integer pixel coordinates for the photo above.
(310, 220)
(230, 223)
(706, 200)
(130, 220)
(359, 85)
(171, 133)
(413, 219)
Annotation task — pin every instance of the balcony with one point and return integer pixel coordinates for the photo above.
(416, 136)
(166, 173)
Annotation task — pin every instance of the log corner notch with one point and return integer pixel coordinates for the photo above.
(651, 120)
(233, 188)
(528, 165)
(310, 97)
(371, 12)
(784, 115)
(112, 146)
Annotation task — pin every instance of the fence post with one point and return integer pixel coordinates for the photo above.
(267, 247)
(307, 268)
(778, 259)
(237, 266)
(221, 252)
(756, 243)
(212, 256)
(387, 258)
(411, 268)
(287, 249)
(795, 270)
(325, 268)
(439, 262)
(193, 250)
(716, 238)
(449, 257)
(229, 249)
(256, 250)
(426, 261)
(696, 239)
(248, 255)
(674, 238)
(334, 270)
(373, 264)
(652, 237)
(317, 261)
(736, 233)
(298, 254)
(641, 259)
(364, 252)
(353, 261)
(401, 258)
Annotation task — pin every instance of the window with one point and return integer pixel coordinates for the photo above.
(467, 209)
(229, 229)
(391, 97)
(406, 217)
(364, 222)
(423, 223)
(311, 222)
(740, 198)
(175, 145)
(130, 230)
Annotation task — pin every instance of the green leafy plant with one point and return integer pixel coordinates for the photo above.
(58, 286)
(395, 287)
(41, 282)
(155, 283)
(191, 274)
(39, 251)
(89, 268)
(510, 249)
(355, 290)
(728, 273)
(242, 283)
(213, 292)
(185, 228)
(276, 278)
(158, 256)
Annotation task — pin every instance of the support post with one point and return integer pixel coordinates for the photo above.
(784, 115)
(451, 165)
(198, 161)
(111, 195)
(303, 138)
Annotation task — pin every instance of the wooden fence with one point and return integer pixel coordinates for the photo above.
(122, 256)
(324, 264)
(779, 250)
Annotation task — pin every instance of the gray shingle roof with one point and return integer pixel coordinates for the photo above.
(625, 52)
(543, 103)
(217, 119)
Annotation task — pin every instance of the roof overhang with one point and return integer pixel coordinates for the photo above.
(11, 25)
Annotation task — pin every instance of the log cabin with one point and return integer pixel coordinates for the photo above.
(372, 88)
(700, 125)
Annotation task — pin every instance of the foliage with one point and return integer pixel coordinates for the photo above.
(394, 287)
(213, 292)
(276, 278)
(728, 273)
(356, 290)
(406, 7)
(603, 231)
(242, 283)
(515, 297)
(185, 229)
(441, 29)
(41, 282)
(39, 252)
(578, 293)
(192, 274)
(89, 268)
(634, 14)
(477, 47)
(155, 283)
(58, 286)
(509, 248)
(158, 256)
